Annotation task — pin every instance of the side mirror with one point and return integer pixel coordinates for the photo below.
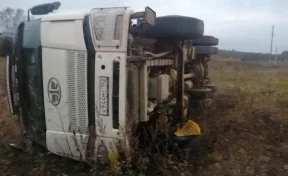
(46, 8)
(150, 16)
(146, 17)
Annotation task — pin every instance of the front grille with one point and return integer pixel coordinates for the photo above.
(77, 90)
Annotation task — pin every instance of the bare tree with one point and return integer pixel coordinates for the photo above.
(10, 19)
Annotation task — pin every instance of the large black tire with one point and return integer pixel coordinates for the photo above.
(199, 94)
(202, 104)
(176, 28)
(206, 50)
(205, 41)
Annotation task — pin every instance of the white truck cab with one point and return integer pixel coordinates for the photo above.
(69, 77)
(81, 82)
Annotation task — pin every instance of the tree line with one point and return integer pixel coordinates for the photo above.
(9, 20)
(249, 56)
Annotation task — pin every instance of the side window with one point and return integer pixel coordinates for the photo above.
(32, 34)
(32, 41)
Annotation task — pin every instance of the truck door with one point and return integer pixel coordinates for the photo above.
(24, 80)
(31, 82)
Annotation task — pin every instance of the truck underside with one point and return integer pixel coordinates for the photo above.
(83, 82)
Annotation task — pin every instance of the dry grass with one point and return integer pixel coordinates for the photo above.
(249, 121)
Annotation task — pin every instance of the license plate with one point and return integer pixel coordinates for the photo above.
(104, 95)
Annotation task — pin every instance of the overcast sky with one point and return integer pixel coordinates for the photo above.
(243, 25)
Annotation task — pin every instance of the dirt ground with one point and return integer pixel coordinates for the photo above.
(249, 119)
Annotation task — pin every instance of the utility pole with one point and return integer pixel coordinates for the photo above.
(271, 46)
(276, 55)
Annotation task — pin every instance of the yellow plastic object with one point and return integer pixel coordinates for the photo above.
(191, 128)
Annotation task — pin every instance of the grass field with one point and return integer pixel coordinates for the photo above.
(250, 121)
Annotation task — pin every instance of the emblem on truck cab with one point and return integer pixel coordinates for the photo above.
(54, 91)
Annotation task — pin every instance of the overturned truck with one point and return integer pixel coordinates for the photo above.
(82, 82)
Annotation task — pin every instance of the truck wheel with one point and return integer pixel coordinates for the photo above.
(202, 104)
(199, 94)
(176, 27)
(210, 86)
(206, 50)
(205, 41)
